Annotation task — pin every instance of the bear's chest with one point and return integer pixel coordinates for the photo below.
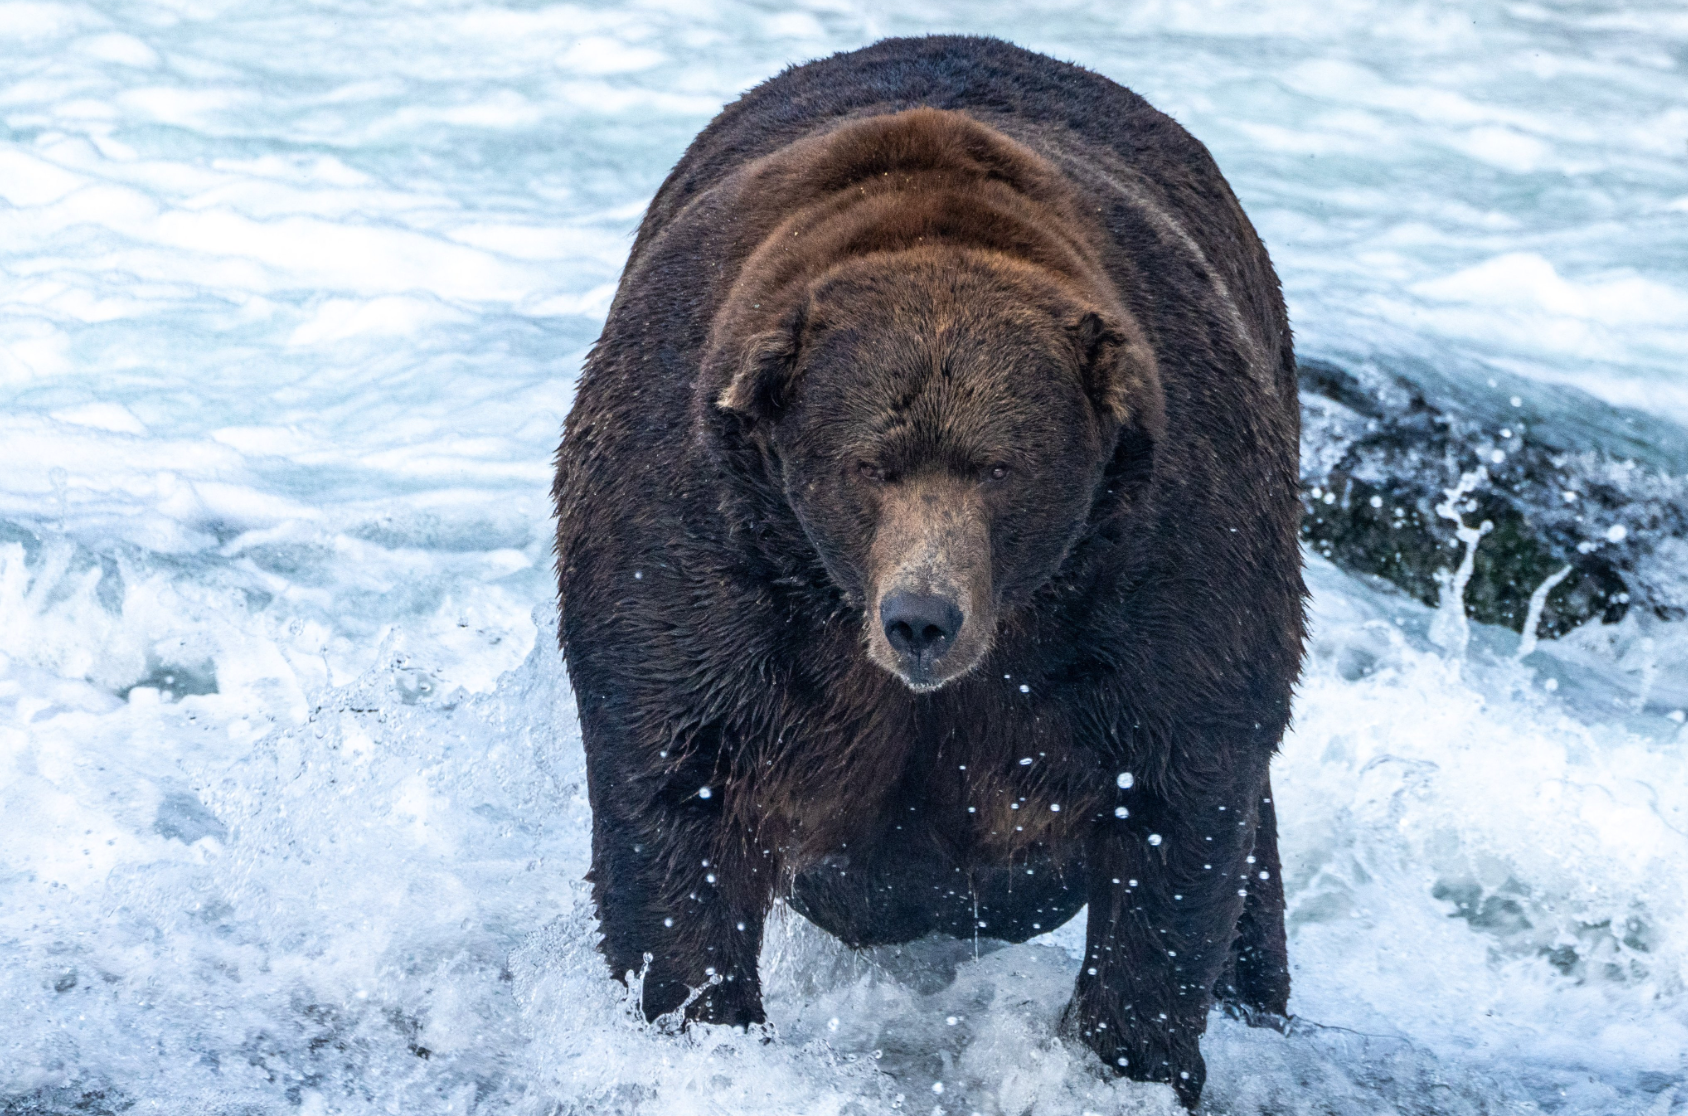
(984, 784)
(992, 797)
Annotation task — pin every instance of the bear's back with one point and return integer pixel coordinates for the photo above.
(968, 73)
(1137, 165)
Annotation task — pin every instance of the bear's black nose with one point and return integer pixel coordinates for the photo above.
(921, 625)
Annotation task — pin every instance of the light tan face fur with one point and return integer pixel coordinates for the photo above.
(933, 538)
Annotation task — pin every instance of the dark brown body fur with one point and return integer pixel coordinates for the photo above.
(1133, 587)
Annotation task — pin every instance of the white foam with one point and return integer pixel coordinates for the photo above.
(126, 50)
(600, 54)
(25, 180)
(102, 416)
(383, 316)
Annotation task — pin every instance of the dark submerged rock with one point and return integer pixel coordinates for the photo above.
(1563, 479)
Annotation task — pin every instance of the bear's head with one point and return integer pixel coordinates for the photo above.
(940, 422)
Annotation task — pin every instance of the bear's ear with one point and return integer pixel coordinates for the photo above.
(1117, 367)
(759, 382)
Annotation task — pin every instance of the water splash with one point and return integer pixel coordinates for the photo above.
(1451, 630)
(1538, 602)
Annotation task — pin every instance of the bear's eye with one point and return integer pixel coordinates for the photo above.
(871, 471)
(998, 472)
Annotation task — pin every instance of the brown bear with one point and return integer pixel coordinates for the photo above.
(927, 545)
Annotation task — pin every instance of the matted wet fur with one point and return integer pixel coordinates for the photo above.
(927, 545)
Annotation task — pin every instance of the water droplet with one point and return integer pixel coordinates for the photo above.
(1121, 812)
(1154, 838)
(1125, 780)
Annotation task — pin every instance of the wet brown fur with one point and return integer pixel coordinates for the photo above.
(868, 284)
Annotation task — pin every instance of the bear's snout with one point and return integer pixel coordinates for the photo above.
(920, 627)
(930, 582)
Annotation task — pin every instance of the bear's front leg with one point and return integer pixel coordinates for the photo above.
(675, 884)
(1255, 984)
(1166, 887)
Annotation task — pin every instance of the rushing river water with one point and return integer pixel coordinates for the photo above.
(292, 810)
